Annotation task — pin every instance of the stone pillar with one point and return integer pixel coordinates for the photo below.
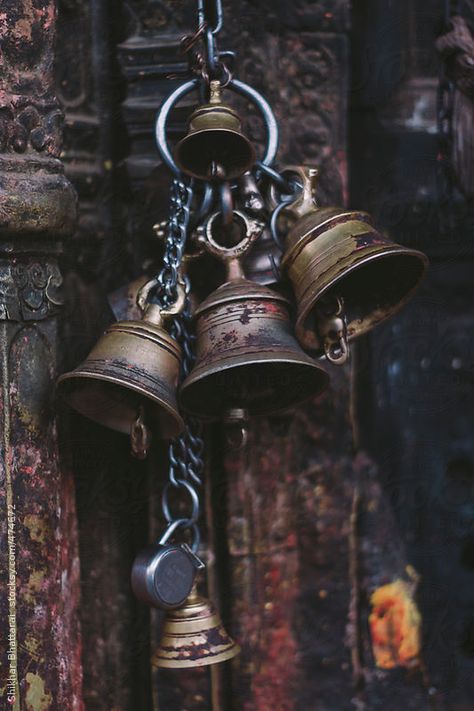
(40, 668)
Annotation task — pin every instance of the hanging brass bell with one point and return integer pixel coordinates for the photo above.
(246, 354)
(134, 366)
(346, 275)
(215, 146)
(193, 636)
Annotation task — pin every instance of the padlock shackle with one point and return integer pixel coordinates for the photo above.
(181, 523)
(239, 87)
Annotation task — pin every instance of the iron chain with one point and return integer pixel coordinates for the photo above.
(176, 233)
(185, 452)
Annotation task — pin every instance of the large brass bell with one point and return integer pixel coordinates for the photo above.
(133, 367)
(193, 636)
(215, 146)
(247, 356)
(347, 276)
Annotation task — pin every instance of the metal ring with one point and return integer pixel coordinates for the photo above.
(235, 85)
(174, 309)
(273, 225)
(194, 500)
(273, 174)
(253, 229)
(205, 205)
(267, 114)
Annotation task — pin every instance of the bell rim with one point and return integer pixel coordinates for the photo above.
(198, 132)
(175, 417)
(303, 361)
(164, 663)
(305, 311)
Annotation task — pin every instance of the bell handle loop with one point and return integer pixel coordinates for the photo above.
(231, 256)
(336, 352)
(304, 201)
(238, 87)
(157, 314)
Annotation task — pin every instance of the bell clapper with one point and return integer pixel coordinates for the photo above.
(332, 328)
(140, 436)
(236, 422)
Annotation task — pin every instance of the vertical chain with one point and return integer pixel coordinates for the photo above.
(186, 462)
(186, 451)
(176, 233)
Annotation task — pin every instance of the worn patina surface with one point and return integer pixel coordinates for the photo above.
(40, 668)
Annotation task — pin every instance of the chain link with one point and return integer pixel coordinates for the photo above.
(186, 452)
(186, 462)
(176, 233)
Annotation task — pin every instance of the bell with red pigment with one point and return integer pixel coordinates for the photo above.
(247, 356)
(193, 636)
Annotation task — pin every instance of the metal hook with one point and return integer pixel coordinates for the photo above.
(332, 327)
(143, 295)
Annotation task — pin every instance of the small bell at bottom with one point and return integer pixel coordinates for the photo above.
(194, 636)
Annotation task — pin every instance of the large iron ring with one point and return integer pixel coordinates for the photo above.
(234, 85)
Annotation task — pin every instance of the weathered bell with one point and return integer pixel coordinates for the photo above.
(337, 262)
(247, 356)
(193, 636)
(134, 365)
(215, 146)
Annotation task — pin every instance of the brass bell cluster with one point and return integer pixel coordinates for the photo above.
(301, 281)
(284, 254)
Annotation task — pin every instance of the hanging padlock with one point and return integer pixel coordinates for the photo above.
(163, 573)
